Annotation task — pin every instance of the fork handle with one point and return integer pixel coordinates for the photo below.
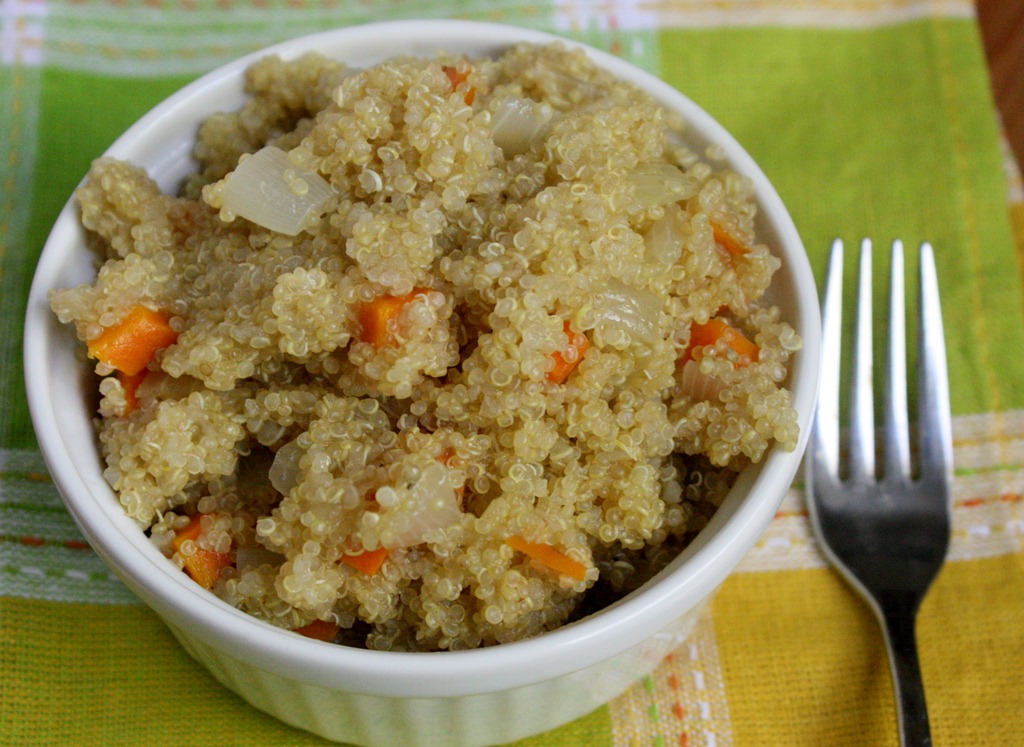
(898, 618)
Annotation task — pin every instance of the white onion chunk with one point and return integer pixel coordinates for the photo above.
(630, 313)
(267, 189)
(520, 124)
(409, 516)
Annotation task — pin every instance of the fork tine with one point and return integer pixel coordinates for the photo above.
(825, 431)
(897, 445)
(933, 382)
(862, 406)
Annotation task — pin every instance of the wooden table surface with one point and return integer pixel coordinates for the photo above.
(1002, 29)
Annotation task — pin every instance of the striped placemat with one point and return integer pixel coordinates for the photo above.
(872, 118)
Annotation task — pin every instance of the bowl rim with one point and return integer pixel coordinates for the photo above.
(566, 650)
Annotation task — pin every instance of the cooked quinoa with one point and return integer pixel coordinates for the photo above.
(508, 341)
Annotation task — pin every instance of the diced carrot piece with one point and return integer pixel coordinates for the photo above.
(717, 329)
(321, 630)
(579, 343)
(130, 384)
(375, 317)
(368, 561)
(727, 241)
(457, 78)
(204, 566)
(549, 557)
(130, 344)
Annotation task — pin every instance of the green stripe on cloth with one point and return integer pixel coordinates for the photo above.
(19, 115)
(861, 138)
(103, 676)
(69, 136)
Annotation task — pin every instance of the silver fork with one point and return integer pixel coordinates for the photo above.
(887, 532)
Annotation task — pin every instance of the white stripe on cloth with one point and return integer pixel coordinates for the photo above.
(42, 553)
(988, 501)
(147, 42)
(21, 31)
(683, 702)
(652, 14)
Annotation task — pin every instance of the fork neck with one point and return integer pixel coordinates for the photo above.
(899, 618)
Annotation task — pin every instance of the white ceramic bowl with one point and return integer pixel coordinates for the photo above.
(476, 697)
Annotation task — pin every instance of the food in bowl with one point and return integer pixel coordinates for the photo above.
(437, 354)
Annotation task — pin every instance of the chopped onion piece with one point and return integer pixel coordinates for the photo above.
(664, 240)
(269, 190)
(633, 311)
(431, 503)
(660, 184)
(519, 124)
(284, 472)
(700, 386)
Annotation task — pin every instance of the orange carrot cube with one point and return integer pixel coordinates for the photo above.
(376, 317)
(702, 335)
(727, 241)
(578, 344)
(368, 561)
(457, 78)
(131, 344)
(321, 630)
(204, 566)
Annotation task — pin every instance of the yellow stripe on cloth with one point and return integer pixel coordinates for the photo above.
(803, 660)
